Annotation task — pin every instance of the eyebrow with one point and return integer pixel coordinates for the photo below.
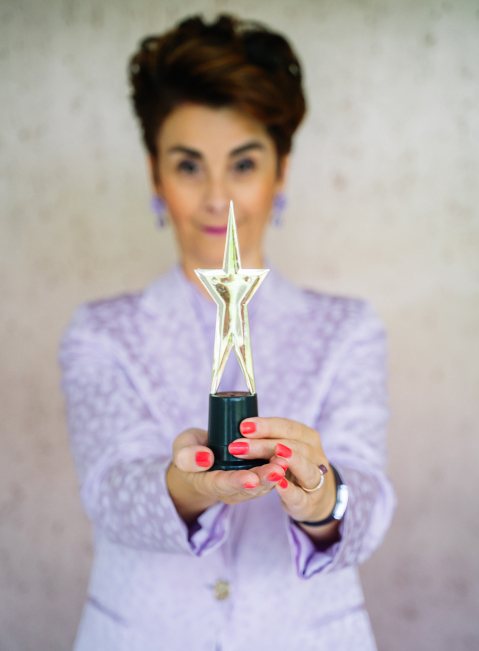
(250, 145)
(194, 153)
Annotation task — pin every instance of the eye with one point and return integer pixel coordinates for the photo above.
(188, 166)
(244, 165)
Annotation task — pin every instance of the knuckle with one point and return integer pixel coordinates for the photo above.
(289, 427)
(297, 498)
(197, 483)
(181, 460)
(262, 448)
(316, 439)
(217, 485)
(294, 446)
(313, 476)
(267, 426)
(283, 427)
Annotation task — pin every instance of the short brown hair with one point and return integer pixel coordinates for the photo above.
(228, 63)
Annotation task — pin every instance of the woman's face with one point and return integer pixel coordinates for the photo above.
(207, 157)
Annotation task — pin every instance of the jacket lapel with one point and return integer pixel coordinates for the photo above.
(286, 369)
(175, 357)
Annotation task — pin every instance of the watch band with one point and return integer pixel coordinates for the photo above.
(340, 506)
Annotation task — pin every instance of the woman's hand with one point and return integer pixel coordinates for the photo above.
(301, 447)
(193, 490)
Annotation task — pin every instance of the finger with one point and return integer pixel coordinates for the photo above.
(266, 448)
(281, 461)
(278, 428)
(295, 500)
(193, 458)
(221, 483)
(303, 506)
(308, 470)
(302, 460)
(192, 436)
(269, 474)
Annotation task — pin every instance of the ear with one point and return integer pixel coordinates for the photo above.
(152, 165)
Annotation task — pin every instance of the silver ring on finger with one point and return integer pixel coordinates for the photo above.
(322, 469)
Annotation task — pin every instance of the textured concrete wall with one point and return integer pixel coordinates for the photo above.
(383, 203)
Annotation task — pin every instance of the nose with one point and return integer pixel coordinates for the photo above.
(217, 197)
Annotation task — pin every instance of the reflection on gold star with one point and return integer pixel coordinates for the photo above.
(231, 288)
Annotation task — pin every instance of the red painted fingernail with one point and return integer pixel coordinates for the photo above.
(274, 476)
(283, 464)
(239, 447)
(202, 459)
(248, 428)
(283, 451)
(283, 483)
(248, 485)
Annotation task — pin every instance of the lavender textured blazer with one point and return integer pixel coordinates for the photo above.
(136, 373)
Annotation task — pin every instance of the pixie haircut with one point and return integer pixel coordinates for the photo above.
(228, 63)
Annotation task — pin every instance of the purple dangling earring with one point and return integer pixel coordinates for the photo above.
(279, 204)
(158, 206)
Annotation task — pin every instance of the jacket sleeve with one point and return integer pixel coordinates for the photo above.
(120, 454)
(352, 426)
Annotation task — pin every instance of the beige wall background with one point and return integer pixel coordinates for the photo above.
(383, 204)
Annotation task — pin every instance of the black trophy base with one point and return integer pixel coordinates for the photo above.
(227, 410)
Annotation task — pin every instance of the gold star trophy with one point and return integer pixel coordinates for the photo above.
(231, 288)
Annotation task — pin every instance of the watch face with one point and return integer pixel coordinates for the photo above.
(341, 502)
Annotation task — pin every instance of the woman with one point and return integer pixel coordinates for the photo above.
(186, 558)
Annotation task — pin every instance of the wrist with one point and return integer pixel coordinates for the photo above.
(339, 507)
(189, 503)
(323, 536)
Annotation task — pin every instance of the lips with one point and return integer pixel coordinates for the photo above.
(215, 230)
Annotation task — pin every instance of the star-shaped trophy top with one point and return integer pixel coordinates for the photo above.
(231, 288)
